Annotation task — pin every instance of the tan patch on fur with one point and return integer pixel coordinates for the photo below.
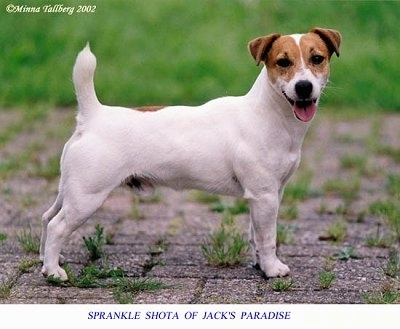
(284, 47)
(148, 108)
(259, 47)
(311, 44)
(332, 39)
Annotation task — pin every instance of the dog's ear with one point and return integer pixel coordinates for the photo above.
(259, 47)
(332, 38)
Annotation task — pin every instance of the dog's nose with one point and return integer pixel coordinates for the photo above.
(303, 89)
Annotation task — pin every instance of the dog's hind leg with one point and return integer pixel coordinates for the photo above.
(73, 213)
(46, 218)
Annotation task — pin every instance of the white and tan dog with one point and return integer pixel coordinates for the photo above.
(246, 146)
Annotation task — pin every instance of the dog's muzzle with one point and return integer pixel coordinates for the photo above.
(304, 106)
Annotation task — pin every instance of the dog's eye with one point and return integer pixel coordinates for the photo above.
(284, 62)
(317, 59)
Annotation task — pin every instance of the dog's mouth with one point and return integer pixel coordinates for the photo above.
(304, 109)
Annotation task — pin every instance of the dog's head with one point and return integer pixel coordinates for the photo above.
(298, 66)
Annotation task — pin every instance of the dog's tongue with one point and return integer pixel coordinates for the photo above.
(305, 110)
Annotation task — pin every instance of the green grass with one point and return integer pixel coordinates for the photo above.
(91, 276)
(387, 294)
(325, 279)
(392, 266)
(126, 288)
(239, 206)
(392, 152)
(27, 116)
(158, 247)
(5, 288)
(164, 52)
(389, 212)
(225, 246)
(356, 162)
(279, 284)
(289, 211)
(136, 212)
(27, 265)
(206, 198)
(95, 243)
(336, 231)
(3, 237)
(50, 169)
(347, 189)
(379, 240)
(284, 234)
(394, 185)
(29, 242)
(299, 188)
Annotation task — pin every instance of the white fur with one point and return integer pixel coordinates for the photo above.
(246, 146)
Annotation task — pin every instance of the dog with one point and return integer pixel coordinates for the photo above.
(244, 146)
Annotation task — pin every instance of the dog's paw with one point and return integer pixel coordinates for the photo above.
(273, 269)
(61, 259)
(58, 273)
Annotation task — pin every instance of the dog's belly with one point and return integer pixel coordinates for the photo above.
(192, 173)
(225, 185)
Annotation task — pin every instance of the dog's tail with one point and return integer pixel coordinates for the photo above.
(83, 74)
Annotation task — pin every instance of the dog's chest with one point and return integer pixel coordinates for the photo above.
(291, 164)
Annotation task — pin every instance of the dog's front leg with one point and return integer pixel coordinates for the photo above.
(263, 213)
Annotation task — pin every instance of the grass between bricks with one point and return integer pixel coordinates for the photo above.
(100, 275)
(124, 289)
(29, 242)
(281, 284)
(388, 212)
(95, 243)
(336, 232)
(3, 237)
(389, 292)
(25, 266)
(325, 279)
(326, 276)
(225, 246)
(239, 206)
